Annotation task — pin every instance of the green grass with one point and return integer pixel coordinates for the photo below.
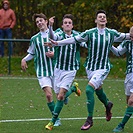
(118, 70)
(22, 99)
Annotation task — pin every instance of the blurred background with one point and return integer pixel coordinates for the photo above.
(119, 16)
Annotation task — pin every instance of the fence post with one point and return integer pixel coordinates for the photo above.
(9, 63)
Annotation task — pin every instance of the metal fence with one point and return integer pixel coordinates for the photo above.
(9, 53)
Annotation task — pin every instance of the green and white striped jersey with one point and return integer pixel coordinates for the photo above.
(68, 56)
(99, 46)
(43, 65)
(127, 47)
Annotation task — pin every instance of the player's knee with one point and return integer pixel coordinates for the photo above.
(60, 97)
(49, 97)
(130, 102)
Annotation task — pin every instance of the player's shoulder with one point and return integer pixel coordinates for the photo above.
(35, 36)
(74, 32)
(59, 31)
(92, 30)
(111, 30)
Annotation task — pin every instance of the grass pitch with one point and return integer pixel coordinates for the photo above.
(23, 108)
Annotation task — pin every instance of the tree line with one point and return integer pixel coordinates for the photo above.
(119, 15)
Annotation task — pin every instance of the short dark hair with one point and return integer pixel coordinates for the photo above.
(41, 15)
(70, 16)
(100, 11)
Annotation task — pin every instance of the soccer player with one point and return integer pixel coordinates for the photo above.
(97, 64)
(126, 47)
(67, 63)
(43, 59)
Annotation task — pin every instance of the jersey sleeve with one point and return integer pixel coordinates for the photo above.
(52, 34)
(119, 37)
(59, 34)
(83, 37)
(28, 57)
(31, 49)
(66, 41)
(120, 50)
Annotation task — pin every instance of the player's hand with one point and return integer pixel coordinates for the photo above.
(50, 54)
(51, 43)
(23, 65)
(48, 44)
(51, 21)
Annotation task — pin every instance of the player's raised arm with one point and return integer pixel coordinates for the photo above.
(51, 32)
(51, 21)
(60, 43)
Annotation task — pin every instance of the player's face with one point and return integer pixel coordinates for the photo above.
(67, 25)
(41, 23)
(101, 20)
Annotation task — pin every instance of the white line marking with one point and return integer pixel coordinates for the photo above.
(78, 79)
(45, 119)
